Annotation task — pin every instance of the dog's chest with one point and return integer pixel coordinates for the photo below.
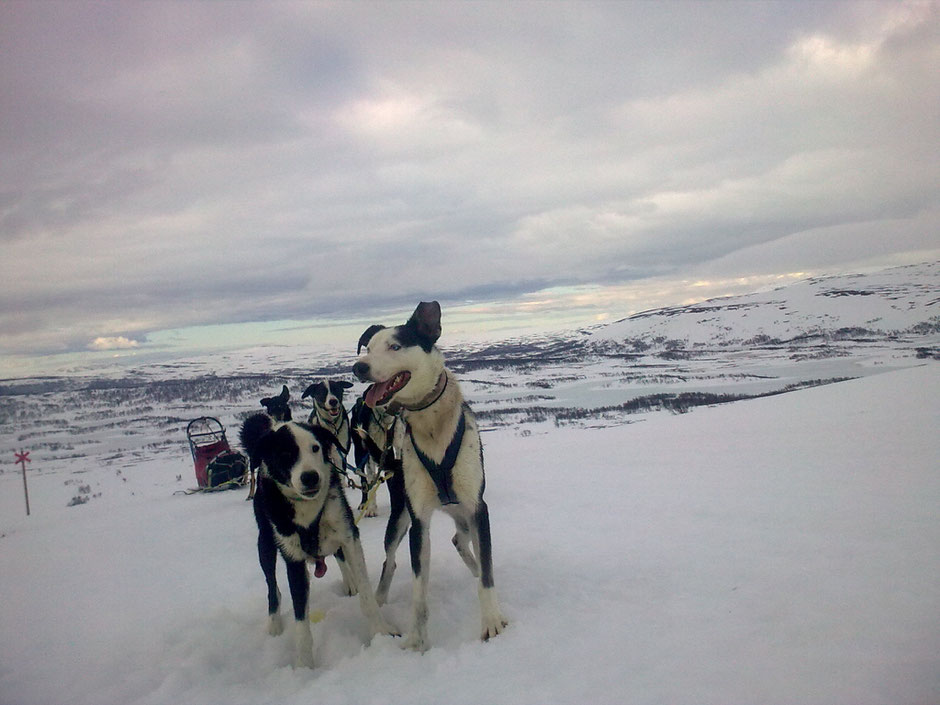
(316, 534)
(453, 459)
(339, 427)
(378, 430)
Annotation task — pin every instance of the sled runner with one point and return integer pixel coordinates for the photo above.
(217, 465)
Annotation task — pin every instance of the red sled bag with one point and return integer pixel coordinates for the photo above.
(215, 463)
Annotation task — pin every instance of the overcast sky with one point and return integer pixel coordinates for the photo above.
(170, 165)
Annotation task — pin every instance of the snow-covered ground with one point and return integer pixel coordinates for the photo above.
(778, 550)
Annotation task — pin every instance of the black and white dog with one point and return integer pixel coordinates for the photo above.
(328, 410)
(441, 456)
(278, 409)
(372, 434)
(301, 510)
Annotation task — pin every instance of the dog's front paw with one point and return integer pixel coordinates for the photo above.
(415, 642)
(303, 645)
(368, 510)
(275, 625)
(493, 628)
(490, 613)
(303, 659)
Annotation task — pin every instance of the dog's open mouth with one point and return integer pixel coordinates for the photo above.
(381, 392)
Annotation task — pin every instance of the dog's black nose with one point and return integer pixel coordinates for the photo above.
(310, 480)
(361, 370)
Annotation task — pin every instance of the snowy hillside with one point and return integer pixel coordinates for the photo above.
(778, 550)
(808, 333)
(890, 303)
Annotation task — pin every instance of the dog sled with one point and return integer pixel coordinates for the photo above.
(217, 466)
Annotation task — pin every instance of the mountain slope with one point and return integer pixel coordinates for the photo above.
(901, 300)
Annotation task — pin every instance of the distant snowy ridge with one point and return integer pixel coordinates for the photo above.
(819, 330)
(890, 303)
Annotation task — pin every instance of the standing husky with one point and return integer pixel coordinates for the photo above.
(442, 460)
(302, 511)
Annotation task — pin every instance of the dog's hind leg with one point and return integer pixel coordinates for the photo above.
(461, 542)
(365, 496)
(356, 564)
(368, 504)
(251, 490)
(492, 619)
(299, 583)
(350, 585)
(398, 520)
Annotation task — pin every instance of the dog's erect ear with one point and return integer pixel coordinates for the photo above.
(343, 384)
(426, 323)
(308, 392)
(367, 336)
(281, 398)
(255, 427)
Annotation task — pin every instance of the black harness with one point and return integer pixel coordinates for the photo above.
(442, 473)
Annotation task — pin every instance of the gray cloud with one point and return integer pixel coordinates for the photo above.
(177, 164)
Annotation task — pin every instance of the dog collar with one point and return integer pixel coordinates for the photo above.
(325, 421)
(432, 398)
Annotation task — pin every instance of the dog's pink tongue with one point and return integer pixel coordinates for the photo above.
(375, 393)
(319, 569)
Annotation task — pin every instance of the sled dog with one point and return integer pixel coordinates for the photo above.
(278, 407)
(328, 410)
(372, 437)
(279, 410)
(301, 511)
(441, 456)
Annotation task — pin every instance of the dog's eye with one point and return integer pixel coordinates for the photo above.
(315, 448)
(394, 346)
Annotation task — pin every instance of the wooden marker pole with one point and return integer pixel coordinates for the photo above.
(22, 458)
